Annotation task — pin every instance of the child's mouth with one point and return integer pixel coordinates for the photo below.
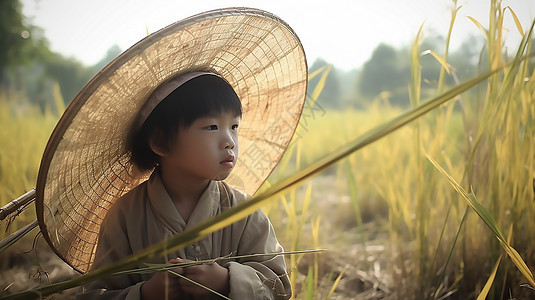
(228, 162)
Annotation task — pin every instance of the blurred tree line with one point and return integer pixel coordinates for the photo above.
(386, 74)
(27, 64)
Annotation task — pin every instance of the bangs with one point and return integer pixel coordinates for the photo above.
(203, 96)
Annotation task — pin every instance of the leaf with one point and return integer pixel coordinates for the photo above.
(489, 220)
(517, 22)
(319, 86)
(441, 60)
(441, 79)
(476, 22)
(309, 284)
(315, 238)
(336, 282)
(353, 193)
(490, 281)
(316, 72)
(416, 70)
(450, 253)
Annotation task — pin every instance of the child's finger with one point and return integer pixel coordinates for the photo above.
(177, 260)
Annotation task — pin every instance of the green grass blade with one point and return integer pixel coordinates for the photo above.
(478, 25)
(490, 281)
(450, 254)
(515, 18)
(489, 220)
(335, 284)
(416, 70)
(441, 77)
(319, 86)
(472, 201)
(305, 206)
(198, 284)
(309, 284)
(59, 103)
(485, 291)
(439, 59)
(316, 72)
(315, 239)
(519, 57)
(352, 185)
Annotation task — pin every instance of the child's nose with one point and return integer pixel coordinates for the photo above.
(228, 142)
(230, 146)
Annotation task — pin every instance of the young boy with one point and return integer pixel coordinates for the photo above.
(191, 139)
(140, 156)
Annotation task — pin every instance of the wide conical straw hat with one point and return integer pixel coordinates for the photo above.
(86, 167)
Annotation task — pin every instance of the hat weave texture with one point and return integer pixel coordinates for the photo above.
(86, 166)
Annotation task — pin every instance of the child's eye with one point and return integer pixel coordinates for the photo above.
(211, 127)
(235, 127)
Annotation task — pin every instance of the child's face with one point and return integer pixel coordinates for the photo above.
(208, 149)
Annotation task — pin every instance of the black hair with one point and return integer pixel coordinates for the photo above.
(203, 96)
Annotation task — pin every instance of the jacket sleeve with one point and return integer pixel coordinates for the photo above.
(262, 277)
(113, 245)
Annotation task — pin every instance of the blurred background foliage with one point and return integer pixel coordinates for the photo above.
(28, 64)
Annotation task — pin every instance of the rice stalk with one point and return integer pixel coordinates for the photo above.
(441, 120)
(485, 291)
(293, 233)
(309, 284)
(296, 229)
(315, 239)
(450, 255)
(306, 204)
(59, 102)
(515, 18)
(352, 185)
(317, 72)
(489, 220)
(505, 132)
(444, 60)
(320, 85)
(421, 215)
(336, 282)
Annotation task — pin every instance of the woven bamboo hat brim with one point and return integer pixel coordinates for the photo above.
(85, 166)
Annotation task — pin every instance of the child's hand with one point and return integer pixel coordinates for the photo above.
(162, 285)
(213, 276)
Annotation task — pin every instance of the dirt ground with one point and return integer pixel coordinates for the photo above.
(23, 267)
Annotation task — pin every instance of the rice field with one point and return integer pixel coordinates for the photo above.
(441, 208)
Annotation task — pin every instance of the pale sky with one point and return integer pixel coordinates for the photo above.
(343, 32)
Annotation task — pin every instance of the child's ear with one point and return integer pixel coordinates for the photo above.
(157, 144)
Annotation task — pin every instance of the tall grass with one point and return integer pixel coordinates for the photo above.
(24, 131)
(486, 141)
